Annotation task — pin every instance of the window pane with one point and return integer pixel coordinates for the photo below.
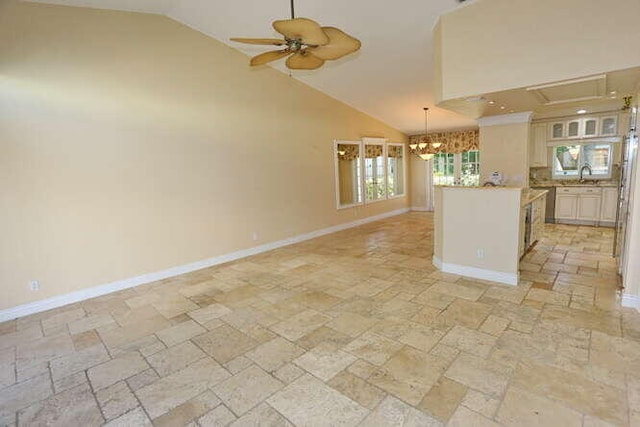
(443, 169)
(566, 160)
(349, 189)
(395, 170)
(374, 181)
(598, 157)
(470, 168)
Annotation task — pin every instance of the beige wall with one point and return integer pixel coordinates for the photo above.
(470, 219)
(130, 143)
(494, 45)
(418, 182)
(505, 148)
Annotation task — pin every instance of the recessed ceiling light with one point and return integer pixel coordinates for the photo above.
(475, 99)
(581, 111)
(492, 102)
(502, 107)
(512, 111)
(613, 92)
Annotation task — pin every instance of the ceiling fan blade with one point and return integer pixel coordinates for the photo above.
(272, 55)
(304, 60)
(274, 42)
(306, 30)
(340, 44)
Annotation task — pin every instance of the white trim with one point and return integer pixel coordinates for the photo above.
(505, 119)
(632, 301)
(96, 291)
(437, 262)
(420, 209)
(476, 273)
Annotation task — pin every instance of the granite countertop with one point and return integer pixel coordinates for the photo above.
(529, 195)
(572, 183)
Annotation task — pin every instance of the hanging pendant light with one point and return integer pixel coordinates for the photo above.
(423, 148)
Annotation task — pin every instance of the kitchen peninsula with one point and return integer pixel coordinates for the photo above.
(482, 232)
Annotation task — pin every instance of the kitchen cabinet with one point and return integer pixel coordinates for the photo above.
(609, 205)
(609, 126)
(583, 127)
(586, 205)
(538, 146)
(566, 206)
(556, 130)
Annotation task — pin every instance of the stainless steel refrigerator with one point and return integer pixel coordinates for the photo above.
(628, 169)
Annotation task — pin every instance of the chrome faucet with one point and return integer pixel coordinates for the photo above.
(588, 168)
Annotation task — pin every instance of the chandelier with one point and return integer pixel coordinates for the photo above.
(425, 148)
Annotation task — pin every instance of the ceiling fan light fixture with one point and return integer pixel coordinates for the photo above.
(307, 44)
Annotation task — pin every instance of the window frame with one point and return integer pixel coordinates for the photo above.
(337, 174)
(576, 175)
(361, 165)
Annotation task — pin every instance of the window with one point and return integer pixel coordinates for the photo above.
(348, 174)
(367, 172)
(374, 173)
(395, 170)
(569, 159)
(470, 168)
(450, 169)
(444, 171)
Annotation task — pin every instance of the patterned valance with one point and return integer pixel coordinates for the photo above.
(452, 142)
(394, 151)
(372, 151)
(348, 151)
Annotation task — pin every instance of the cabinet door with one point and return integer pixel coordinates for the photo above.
(609, 125)
(590, 127)
(566, 206)
(573, 129)
(588, 207)
(556, 130)
(538, 152)
(609, 204)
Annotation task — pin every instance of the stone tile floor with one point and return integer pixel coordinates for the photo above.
(354, 328)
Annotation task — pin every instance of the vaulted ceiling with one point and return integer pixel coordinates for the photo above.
(390, 78)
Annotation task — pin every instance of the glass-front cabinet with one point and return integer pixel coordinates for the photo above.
(573, 128)
(609, 125)
(583, 127)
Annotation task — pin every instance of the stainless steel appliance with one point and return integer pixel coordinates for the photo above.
(628, 166)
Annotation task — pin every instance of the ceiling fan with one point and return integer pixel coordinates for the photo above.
(306, 43)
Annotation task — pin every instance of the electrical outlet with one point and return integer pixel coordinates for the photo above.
(34, 285)
(254, 236)
(480, 253)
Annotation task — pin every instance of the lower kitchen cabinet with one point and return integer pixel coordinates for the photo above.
(609, 206)
(566, 206)
(586, 205)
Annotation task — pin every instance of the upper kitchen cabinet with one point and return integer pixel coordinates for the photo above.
(609, 125)
(538, 146)
(583, 127)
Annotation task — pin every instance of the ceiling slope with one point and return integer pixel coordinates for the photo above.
(390, 78)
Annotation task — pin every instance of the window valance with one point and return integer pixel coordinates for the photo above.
(452, 142)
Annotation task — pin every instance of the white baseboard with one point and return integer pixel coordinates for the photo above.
(96, 291)
(476, 273)
(420, 209)
(632, 301)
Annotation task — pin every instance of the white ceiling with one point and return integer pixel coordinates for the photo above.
(390, 78)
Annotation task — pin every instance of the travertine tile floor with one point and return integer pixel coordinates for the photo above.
(355, 328)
